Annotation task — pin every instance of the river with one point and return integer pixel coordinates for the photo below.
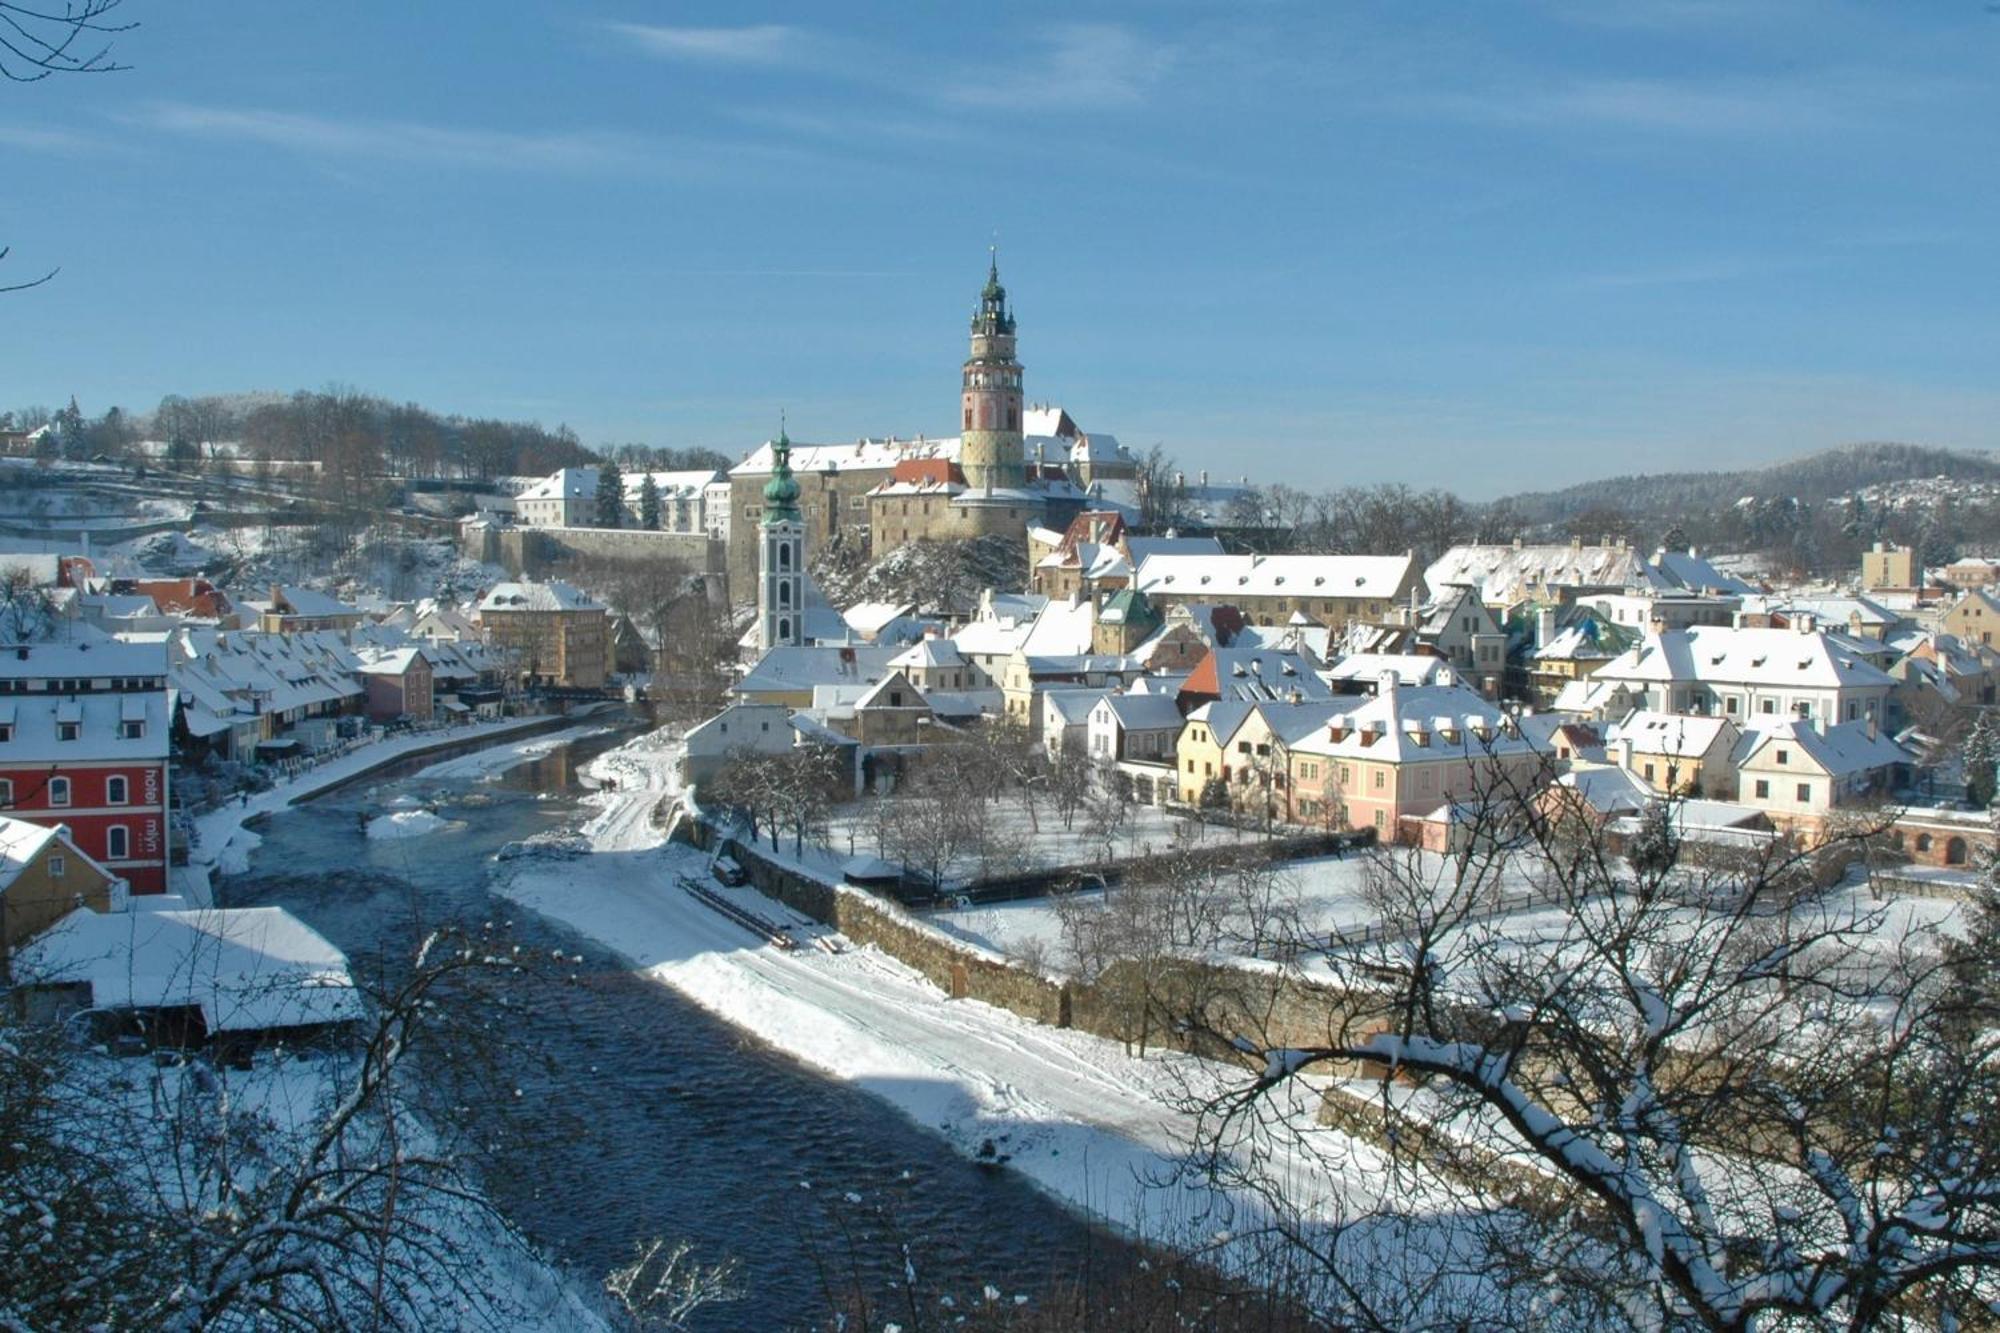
(641, 1115)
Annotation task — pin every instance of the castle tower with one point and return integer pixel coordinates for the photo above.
(781, 555)
(990, 453)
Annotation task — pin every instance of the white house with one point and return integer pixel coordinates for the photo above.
(1749, 674)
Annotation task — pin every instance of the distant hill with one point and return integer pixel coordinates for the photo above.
(1815, 478)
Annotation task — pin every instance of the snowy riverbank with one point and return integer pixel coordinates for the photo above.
(1074, 1114)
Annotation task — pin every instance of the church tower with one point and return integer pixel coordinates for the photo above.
(781, 555)
(990, 452)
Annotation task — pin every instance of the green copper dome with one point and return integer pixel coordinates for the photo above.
(781, 492)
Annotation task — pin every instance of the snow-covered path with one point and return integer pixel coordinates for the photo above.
(1070, 1111)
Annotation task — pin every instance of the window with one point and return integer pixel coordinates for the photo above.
(6, 792)
(57, 867)
(1380, 779)
(131, 730)
(117, 842)
(1784, 756)
(6, 731)
(58, 791)
(1731, 704)
(1767, 706)
(116, 791)
(1649, 772)
(1805, 791)
(1763, 788)
(895, 698)
(68, 731)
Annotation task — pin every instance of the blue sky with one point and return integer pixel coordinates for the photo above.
(1487, 245)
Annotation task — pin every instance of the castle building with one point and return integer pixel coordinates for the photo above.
(990, 487)
(781, 555)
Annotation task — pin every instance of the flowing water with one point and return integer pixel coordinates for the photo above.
(641, 1115)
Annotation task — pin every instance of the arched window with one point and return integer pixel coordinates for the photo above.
(1954, 852)
(116, 791)
(784, 629)
(784, 594)
(968, 416)
(1923, 842)
(784, 555)
(117, 843)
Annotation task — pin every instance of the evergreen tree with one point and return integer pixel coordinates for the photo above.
(1980, 755)
(610, 494)
(649, 504)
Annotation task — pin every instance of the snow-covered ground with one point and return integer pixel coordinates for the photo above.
(488, 764)
(224, 842)
(1071, 1112)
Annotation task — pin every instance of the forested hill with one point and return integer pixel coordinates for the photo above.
(1815, 478)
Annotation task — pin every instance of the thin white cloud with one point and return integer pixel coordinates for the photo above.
(1778, 104)
(757, 44)
(403, 141)
(1079, 65)
(45, 140)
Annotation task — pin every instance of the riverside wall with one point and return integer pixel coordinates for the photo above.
(1127, 1003)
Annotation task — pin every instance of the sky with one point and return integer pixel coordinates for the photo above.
(1492, 246)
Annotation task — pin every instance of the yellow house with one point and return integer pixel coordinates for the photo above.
(43, 878)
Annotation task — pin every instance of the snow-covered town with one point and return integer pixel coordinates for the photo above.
(1321, 805)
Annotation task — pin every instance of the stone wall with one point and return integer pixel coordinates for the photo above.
(541, 553)
(1274, 1010)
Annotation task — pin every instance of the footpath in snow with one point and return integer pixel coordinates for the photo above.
(224, 845)
(1071, 1112)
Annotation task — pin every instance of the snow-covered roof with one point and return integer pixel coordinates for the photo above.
(684, 485)
(1607, 789)
(1751, 656)
(930, 652)
(879, 454)
(868, 618)
(101, 660)
(1141, 712)
(570, 483)
(1413, 723)
(246, 968)
(1061, 629)
(789, 668)
(38, 721)
(1682, 735)
(554, 595)
(1376, 577)
(1847, 749)
(1072, 705)
(1408, 668)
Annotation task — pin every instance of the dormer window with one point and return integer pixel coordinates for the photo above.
(68, 731)
(131, 730)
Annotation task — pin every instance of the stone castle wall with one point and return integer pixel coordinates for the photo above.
(539, 553)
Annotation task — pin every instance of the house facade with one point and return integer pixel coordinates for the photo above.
(84, 739)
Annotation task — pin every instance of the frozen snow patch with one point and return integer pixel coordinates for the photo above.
(405, 824)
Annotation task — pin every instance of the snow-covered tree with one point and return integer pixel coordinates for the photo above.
(1691, 1092)
(1980, 757)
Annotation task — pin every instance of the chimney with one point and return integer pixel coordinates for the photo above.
(1545, 626)
(1517, 543)
(1204, 477)
(1622, 752)
(1387, 681)
(1576, 543)
(1874, 729)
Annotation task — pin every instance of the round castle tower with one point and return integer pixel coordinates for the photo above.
(990, 451)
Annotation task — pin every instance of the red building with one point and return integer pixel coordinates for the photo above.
(84, 734)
